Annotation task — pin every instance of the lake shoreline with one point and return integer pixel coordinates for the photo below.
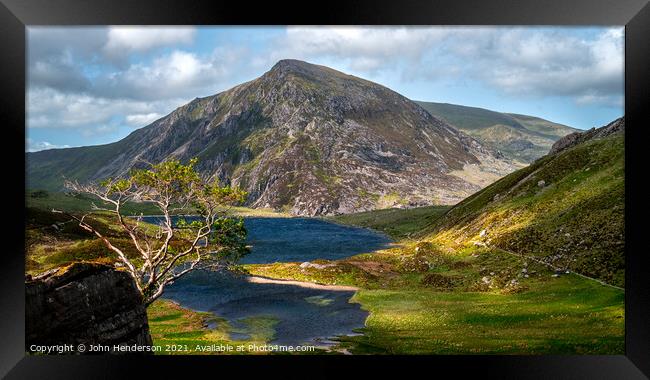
(302, 284)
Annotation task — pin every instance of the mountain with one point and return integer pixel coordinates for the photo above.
(302, 138)
(519, 137)
(565, 209)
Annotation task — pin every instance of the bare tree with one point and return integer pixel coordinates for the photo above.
(170, 250)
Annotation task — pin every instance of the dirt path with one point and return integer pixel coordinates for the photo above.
(556, 268)
(375, 268)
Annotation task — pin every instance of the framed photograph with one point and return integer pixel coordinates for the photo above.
(433, 186)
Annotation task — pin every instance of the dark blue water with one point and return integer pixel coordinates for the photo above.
(304, 315)
(302, 239)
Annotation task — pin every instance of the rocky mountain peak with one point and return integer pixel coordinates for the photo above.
(306, 139)
(292, 65)
(313, 77)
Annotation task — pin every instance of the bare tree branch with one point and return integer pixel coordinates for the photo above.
(170, 186)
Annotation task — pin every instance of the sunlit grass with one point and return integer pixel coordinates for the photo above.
(567, 315)
(188, 331)
(396, 223)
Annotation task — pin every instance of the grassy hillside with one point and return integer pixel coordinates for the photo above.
(54, 240)
(469, 118)
(396, 223)
(565, 316)
(515, 143)
(44, 200)
(48, 171)
(566, 209)
(519, 137)
(542, 126)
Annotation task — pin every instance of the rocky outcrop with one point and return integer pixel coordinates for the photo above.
(85, 303)
(576, 138)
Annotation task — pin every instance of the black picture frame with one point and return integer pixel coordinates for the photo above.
(15, 15)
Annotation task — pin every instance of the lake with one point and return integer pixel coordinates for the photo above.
(303, 315)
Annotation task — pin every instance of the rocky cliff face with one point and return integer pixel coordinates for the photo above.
(85, 303)
(301, 138)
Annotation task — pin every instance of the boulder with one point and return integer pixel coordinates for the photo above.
(85, 303)
(307, 264)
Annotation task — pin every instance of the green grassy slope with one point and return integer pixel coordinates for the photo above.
(48, 168)
(396, 223)
(475, 118)
(79, 203)
(469, 118)
(542, 126)
(519, 137)
(566, 316)
(566, 209)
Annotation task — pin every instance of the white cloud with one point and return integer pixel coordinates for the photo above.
(366, 49)
(123, 40)
(35, 146)
(601, 100)
(514, 61)
(173, 75)
(90, 115)
(140, 120)
(546, 63)
(58, 73)
(96, 80)
(177, 69)
(353, 42)
(45, 42)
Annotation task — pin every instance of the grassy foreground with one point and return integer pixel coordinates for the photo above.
(563, 316)
(427, 299)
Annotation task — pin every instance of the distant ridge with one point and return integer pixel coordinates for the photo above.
(519, 137)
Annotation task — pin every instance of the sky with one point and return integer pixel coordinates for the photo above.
(95, 85)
